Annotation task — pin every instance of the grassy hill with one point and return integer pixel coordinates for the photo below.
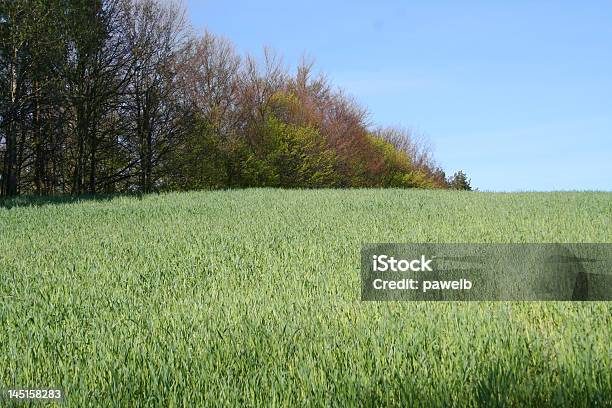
(252, 297)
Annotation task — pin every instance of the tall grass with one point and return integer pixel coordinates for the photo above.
(252, 298)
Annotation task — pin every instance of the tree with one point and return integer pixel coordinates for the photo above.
(118, 95)
(299, 156)
(17, 21)
(419, 151)
(459, 181)
(154, 33)
(207, 75)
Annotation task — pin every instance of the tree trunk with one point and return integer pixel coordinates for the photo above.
(39, 160)
(92, 162)
(77, 186)
(9, 172)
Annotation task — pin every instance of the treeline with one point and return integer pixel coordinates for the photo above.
(105, 96)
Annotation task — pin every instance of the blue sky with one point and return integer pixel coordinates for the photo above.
(518, 94)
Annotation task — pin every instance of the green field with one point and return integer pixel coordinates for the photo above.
(252, 298)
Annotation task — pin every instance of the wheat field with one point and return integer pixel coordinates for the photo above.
(252, 298)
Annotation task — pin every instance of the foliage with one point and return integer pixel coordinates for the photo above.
(299, 155)
(120, 96)
(459, 181)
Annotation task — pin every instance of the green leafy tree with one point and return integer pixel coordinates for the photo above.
(299, 155)
(459, 181)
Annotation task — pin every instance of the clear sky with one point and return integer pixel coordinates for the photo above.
(516, 93)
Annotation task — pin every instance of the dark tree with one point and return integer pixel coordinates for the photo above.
(459, 181)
